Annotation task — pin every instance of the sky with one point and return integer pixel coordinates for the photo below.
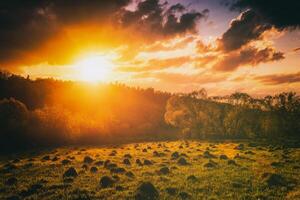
(223, 46)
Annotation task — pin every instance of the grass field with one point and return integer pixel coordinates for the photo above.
(159, 170)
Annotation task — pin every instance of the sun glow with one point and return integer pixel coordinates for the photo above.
(94, 68)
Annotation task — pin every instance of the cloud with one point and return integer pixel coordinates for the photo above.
(176, 8)
(205, 61)
(156, 64)
(245, 42)
(277, 79)
(246, 28)
(170, 45)
(26, 25)
(157, 20)
(236, 49)
(280, 13)
(176, 78)
(296, 49)
(248, 56)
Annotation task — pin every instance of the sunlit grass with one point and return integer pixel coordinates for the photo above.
(243, 181)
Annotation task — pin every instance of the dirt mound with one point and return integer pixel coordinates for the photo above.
(88, 160)
(106, 182)
(274, 179)
(184, 195)
(164, 170)
(111, 165)
(126, 161)
(65, 162)
(146, 191)
(55, 159)
(117, 170)
(207, 154)
(175, 155)
(223, 157)
(119, 188)
(93, 169)
(192, 178)
(240, 147)
(46, 158)
(99, 163)
(129, 174)
(71, 172)
(210, 164)
(158, 154)
(85, 167)
(231, 162)
(182, 161)
(148, 162)
(138, 162)
(127, 156)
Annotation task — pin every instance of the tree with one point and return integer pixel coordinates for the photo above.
(180, 115)
(199, 94)
(195, 117)
(240, 99)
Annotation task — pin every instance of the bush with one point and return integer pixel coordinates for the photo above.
(22, 129)
(14, 118)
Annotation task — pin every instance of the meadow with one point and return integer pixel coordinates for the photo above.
(182, 169)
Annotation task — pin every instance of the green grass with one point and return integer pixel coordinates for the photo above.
(241, 181)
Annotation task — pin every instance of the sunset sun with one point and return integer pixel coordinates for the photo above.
(93, 68)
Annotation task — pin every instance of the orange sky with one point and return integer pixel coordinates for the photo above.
(196, 50)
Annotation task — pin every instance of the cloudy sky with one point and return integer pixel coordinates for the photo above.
(224, 46)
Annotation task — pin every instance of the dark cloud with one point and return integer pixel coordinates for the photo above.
(76, 10)
(249, 56)
(277, 79)
(186, 22)
(248, 27)
(154, 18)
(176, 8)
(236, 47)
(148, 16)
(24, 25)
(280, 13)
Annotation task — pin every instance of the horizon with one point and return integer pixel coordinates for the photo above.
(93, 84)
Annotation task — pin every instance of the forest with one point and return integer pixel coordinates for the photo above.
(48, 112)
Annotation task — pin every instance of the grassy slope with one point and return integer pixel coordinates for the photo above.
(243, 181)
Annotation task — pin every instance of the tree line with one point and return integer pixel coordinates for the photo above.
(48, 112)
(235, 116)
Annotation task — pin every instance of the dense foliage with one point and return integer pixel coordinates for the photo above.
(49, 112)
(235, 116)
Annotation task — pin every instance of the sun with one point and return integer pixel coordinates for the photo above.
(94, 68)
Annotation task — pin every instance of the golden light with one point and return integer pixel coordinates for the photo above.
(93, 68)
